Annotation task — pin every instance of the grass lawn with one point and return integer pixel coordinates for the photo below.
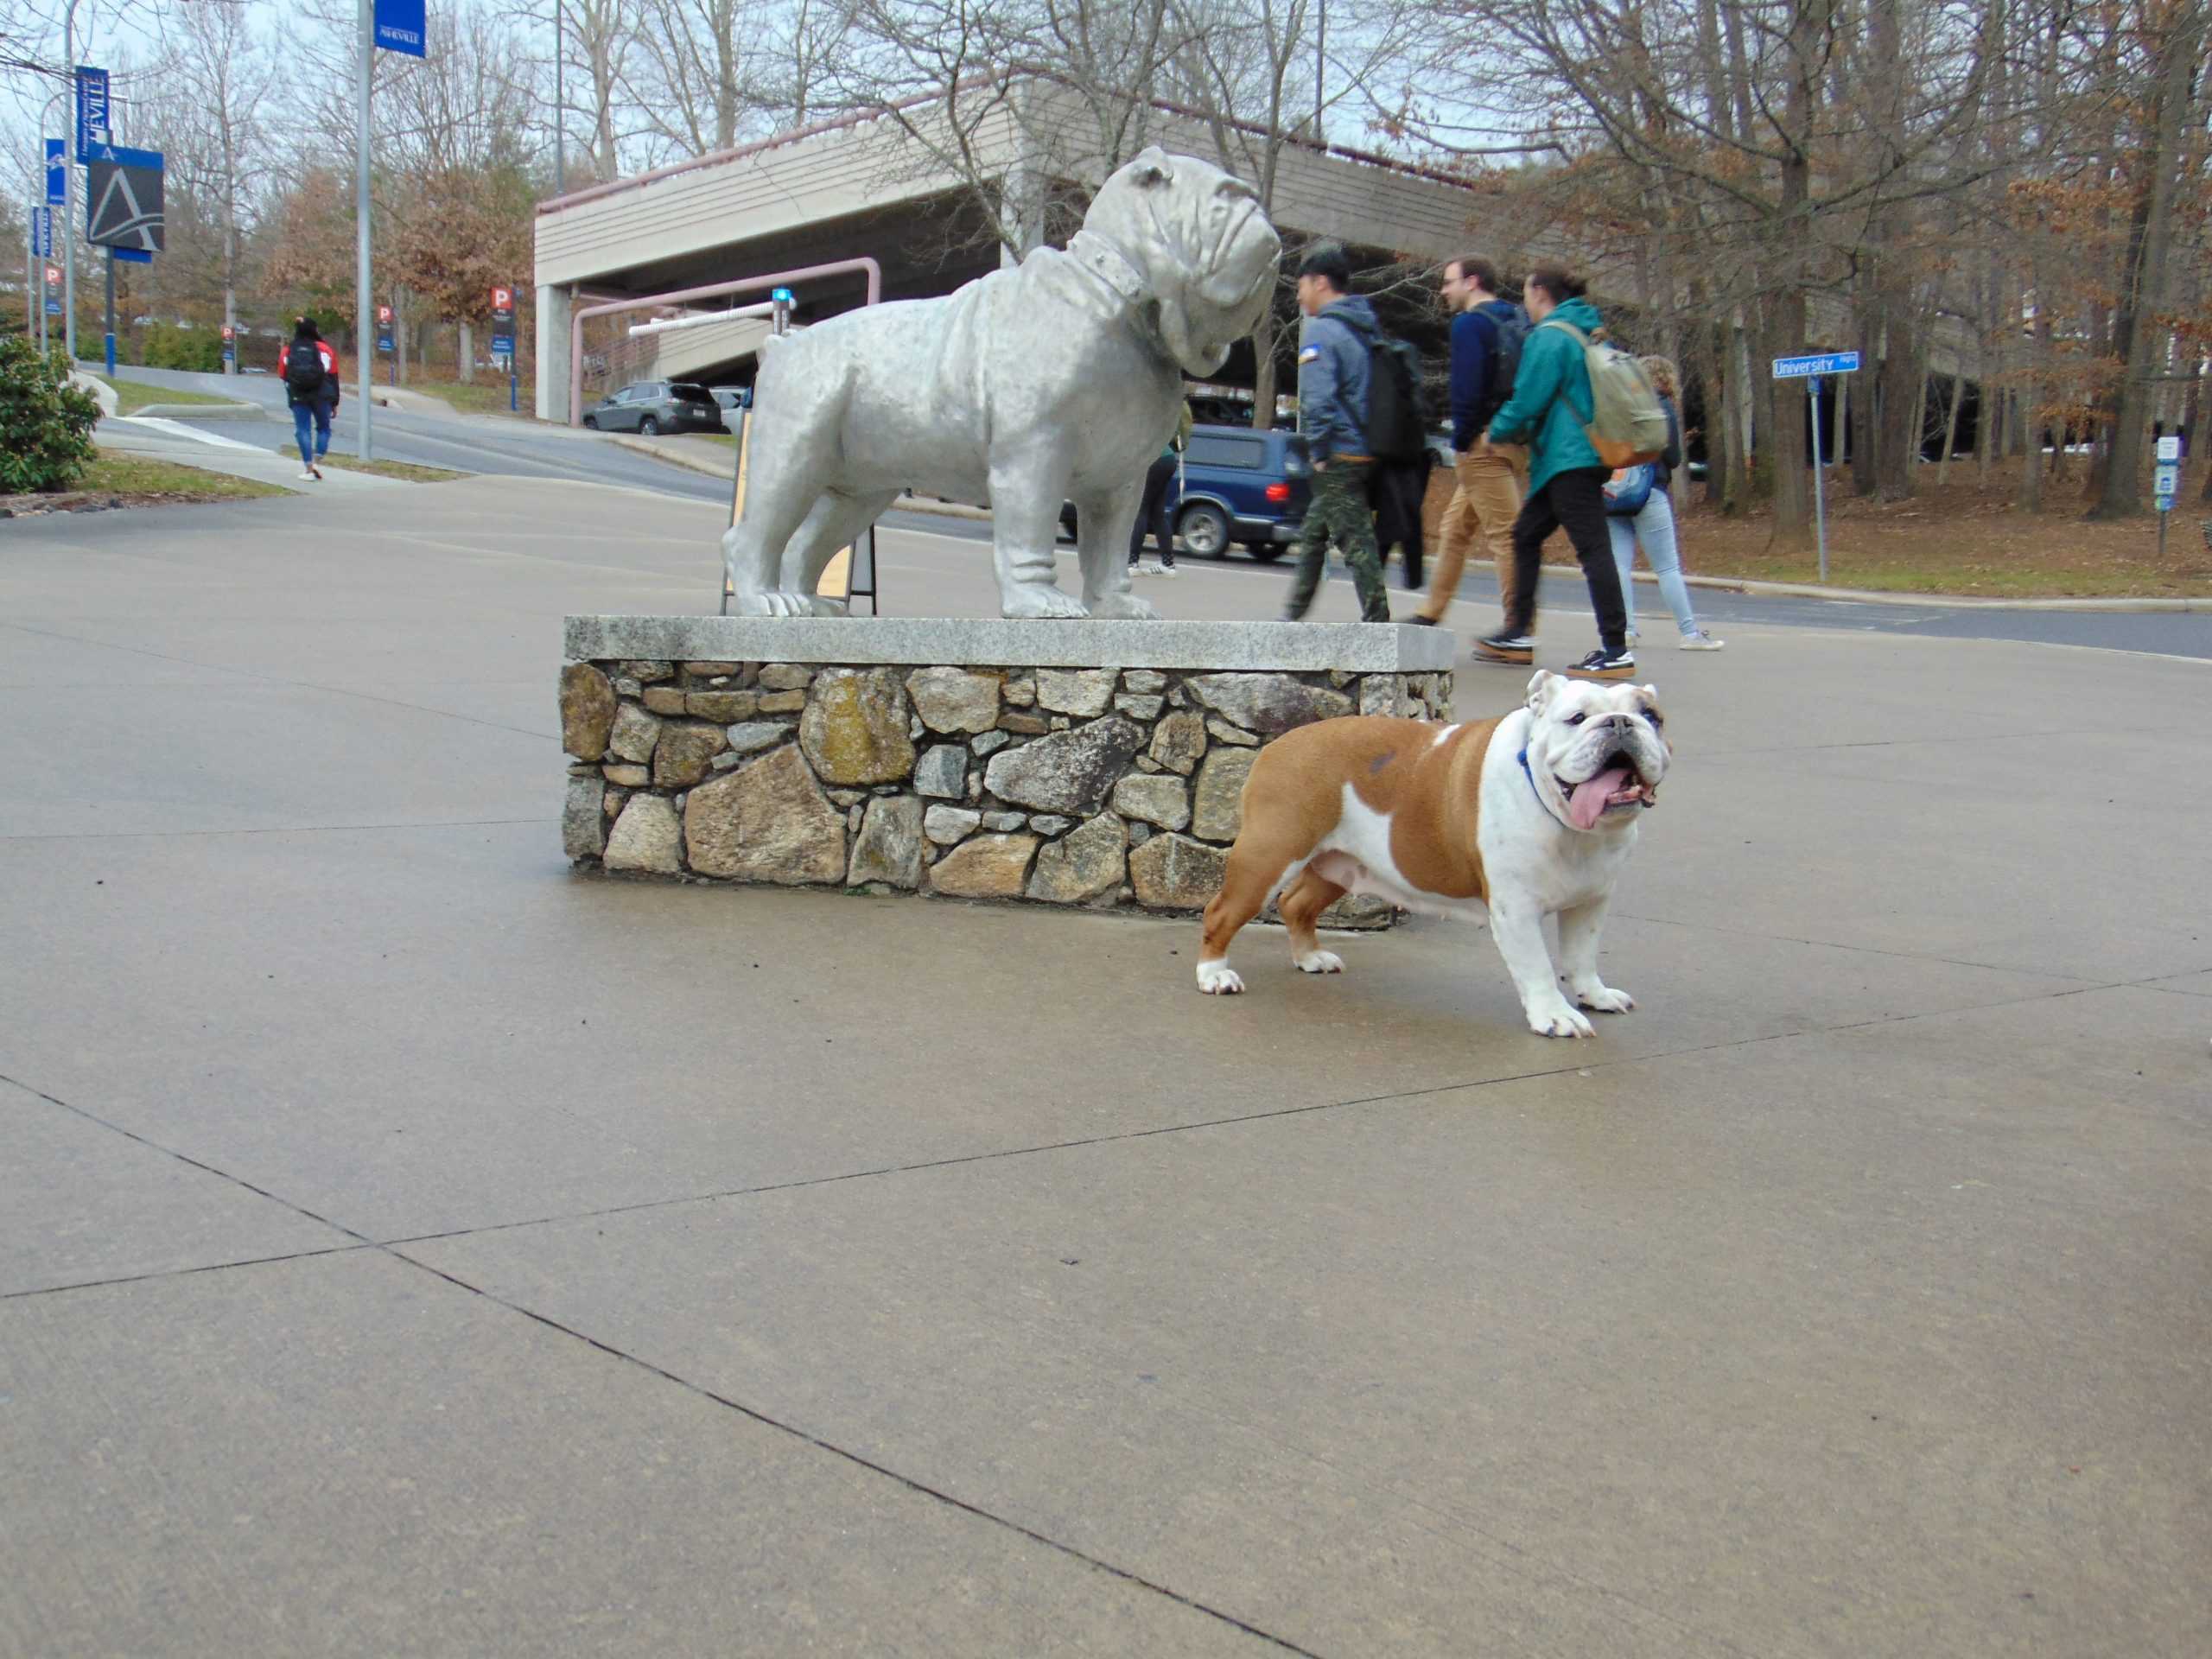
(405, 470)
(141, 481)
(1965, 539)
(131, 396)
(485, 395)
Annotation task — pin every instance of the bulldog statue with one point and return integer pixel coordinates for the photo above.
(1059, 379)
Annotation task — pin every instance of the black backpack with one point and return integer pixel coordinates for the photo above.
(1504, 363)
(303, 369)
(1397, 426)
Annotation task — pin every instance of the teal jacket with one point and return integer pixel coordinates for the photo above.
(1550, 399)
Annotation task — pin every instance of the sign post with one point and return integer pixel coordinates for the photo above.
(1809, 369)
(122, 214)
(503, 339)
(2166, 484)
(229, 349)
(390, 26)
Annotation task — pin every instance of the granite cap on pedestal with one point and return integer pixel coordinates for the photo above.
(1285, 647)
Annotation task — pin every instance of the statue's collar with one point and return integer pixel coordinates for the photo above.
(1110, 265)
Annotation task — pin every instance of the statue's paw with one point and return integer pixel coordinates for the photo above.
(778, 602)
(1125, 606)
(1039, 598)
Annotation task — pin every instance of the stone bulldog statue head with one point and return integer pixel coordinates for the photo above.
(1057, 380)
(1207, 251)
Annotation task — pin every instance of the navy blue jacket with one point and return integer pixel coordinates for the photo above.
(1332, 378)
(1474, 345)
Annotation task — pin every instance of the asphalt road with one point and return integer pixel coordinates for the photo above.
(478, 443)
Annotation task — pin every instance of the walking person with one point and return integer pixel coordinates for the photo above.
(1153, 514)
(1333, 376)
(308, 366)
(1651, 524)
(1551, 401)
(1487, 334)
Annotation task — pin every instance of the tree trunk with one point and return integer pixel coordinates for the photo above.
(1263, 370)
(2136, 335)
(1865, 404)
(1950, 432)
(1735, 404)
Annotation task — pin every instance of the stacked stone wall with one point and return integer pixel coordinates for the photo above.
(1094, 786)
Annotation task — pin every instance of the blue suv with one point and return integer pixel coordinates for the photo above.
(1237, 484)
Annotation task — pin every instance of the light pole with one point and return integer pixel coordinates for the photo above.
(68, 171)
(560, 103)
(1320, 68)
(364, 342)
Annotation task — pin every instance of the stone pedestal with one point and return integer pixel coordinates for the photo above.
(1070, 763)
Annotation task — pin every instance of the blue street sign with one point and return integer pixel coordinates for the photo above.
(123, 156)
(54, 308)
(400, 26)
(133, 255)
(91, 110)
(383, 341)
(1796, 368)
(503, 345)
(57, 170)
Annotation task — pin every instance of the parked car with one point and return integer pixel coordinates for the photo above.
(648, 407)
(1236, 484)
(732, 399)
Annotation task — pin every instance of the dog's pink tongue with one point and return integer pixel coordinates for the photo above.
(1591, 797)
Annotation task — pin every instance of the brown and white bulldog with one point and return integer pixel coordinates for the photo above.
(1531, 815)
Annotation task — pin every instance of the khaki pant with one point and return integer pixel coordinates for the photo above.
(1493, 478)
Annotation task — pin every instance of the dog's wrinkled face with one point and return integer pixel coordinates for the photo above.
(1596, 753)
(1207, 251)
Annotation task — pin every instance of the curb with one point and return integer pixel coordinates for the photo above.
(1868, 596)
(684, 459)
(205, 411)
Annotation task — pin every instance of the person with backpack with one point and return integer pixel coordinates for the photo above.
(1336, 381)
(1584, 409)
(1486, 338)
(1640, 512)
(308, 366)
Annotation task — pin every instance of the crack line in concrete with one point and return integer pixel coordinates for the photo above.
(855, 1457)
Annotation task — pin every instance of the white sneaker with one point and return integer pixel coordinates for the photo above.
(1168, 570)
(1699, 639)
(308, 476)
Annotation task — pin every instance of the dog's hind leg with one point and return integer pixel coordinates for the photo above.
(1306, 898)
(1258, 865)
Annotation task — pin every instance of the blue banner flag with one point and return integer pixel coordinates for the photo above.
(57, 170)
(91, 110)
(401, 25)
(43, 232)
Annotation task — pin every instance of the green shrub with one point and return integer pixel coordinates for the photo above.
(46, 423)
(165, 345)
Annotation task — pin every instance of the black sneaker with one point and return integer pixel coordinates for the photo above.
(1605, 666)
(1420, 622)
(1506, 648)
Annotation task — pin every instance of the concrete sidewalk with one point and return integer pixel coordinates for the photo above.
(407, 1246)
(169, 440)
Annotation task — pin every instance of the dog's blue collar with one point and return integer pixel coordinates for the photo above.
(1539, 793)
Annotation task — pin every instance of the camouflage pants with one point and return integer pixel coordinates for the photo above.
(1339, 512)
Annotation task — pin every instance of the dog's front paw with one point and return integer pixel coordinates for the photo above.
(1319, 961)
(1559, 1020)
(1038, 598)
(776, 601)
(1218, 979)
(1605, 999)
